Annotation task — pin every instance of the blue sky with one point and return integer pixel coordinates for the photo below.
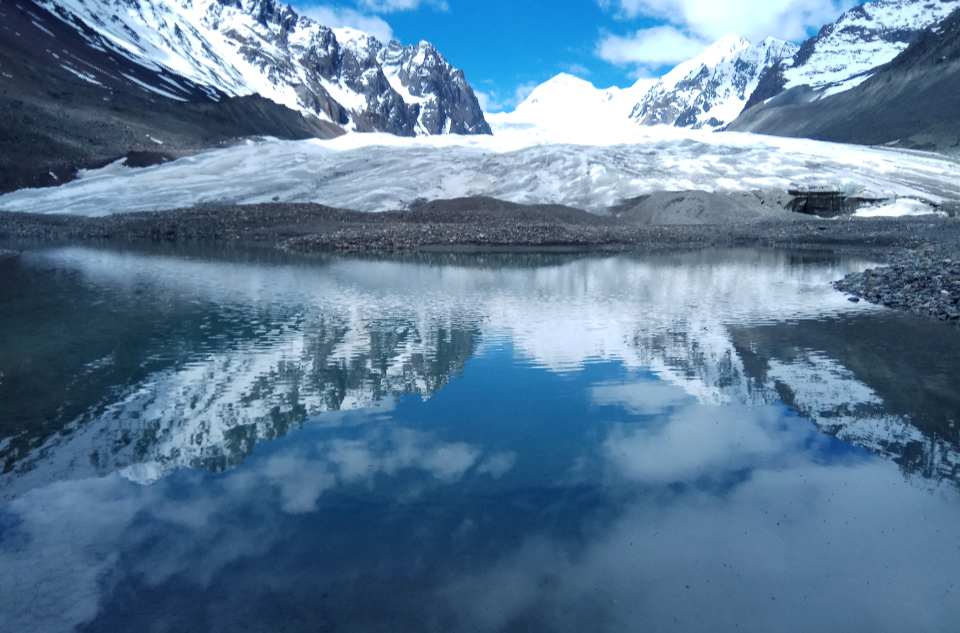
(507, 47)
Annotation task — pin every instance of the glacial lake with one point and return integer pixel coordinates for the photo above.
(199, 439)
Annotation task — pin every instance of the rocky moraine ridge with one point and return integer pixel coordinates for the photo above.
(924, 280)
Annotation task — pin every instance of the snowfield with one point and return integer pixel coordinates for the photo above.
(589, 169)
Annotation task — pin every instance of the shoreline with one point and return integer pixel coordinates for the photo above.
(472, 225)
(923, 280)
(923, 252)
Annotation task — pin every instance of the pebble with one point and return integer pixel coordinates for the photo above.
(924, 280)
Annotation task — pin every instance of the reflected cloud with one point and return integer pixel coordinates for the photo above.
(498, 465)
(283, 342)
(700, 442)
(800, 548)
(196, 534)
(361, 460)
(651, 397)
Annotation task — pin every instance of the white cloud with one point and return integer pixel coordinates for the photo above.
(498, 465)
(692, 25)
(651, 47)
(493, 102)
(753, 19)
(523, 91)
(339, 17)
(487, 101)
(389, 6)
(578, 69)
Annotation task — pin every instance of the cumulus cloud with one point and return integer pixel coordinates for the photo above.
(692, 25)
(340, 17)
(753, 19)
(651, 47)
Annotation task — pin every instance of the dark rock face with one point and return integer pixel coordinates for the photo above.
(706, 93)
(910, 102)
(449, 105)
(68, 102)
(925, 280)
(771, 83)
(277, 53)
(857, 45)
(831, 204)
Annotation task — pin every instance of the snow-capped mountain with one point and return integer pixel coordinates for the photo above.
(565, 99)
(909, 102)
(243, 47)
(849, 51)
(711, 89)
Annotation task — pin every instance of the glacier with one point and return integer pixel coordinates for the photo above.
(591, 169)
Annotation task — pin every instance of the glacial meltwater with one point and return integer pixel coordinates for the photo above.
(199, 439)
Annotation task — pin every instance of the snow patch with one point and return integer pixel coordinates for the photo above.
(899, 209)
(159, 91)
(81, 75)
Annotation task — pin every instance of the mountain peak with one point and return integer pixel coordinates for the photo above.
(244, 47)
(848, 52)
(710, 90)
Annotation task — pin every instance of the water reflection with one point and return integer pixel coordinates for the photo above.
(556, 443)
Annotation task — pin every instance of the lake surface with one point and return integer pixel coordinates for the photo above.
(239, 439)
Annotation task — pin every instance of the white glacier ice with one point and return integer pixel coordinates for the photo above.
(589, 168)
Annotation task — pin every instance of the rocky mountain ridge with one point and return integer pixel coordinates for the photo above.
(849, 51)
(910, 102)
(710, 90)
(67, 103)
(243, 47)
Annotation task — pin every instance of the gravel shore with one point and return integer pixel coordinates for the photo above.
(924, 252)
(924, 280)
(471, 223)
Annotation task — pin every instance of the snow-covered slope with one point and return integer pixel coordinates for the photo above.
(849, 51)
(370, 172)
(566, 100)
(261, 46)
(711, 89)
(910, 102)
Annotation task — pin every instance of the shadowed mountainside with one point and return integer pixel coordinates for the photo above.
(69, 104)
(912, 102)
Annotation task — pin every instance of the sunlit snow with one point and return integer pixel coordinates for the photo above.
(586, 167)
(900, 208)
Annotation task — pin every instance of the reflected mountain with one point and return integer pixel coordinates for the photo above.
(582, 443)
(886, 384)
(146, 363)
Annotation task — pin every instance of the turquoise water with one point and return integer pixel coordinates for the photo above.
(199, 440)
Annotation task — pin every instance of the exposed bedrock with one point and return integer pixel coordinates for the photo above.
(58, 119)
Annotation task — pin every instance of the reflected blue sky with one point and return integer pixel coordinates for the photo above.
(643, 474)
